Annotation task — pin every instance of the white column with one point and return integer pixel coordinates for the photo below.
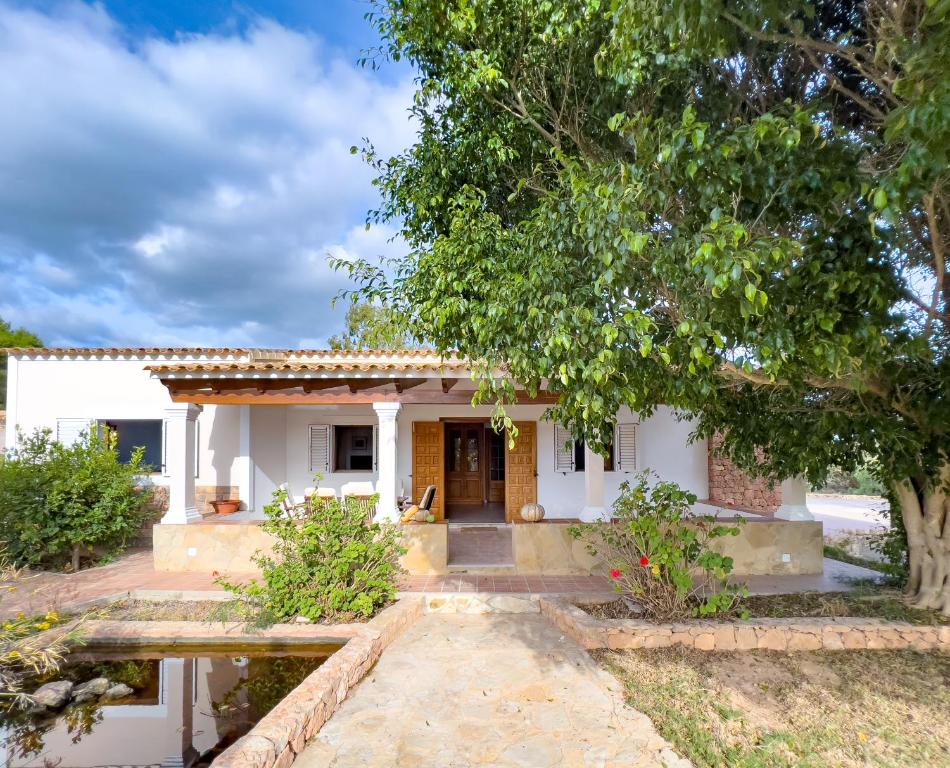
(386, 460)
(594, 508)
(794, 506)
(180, 462)
(245, 459)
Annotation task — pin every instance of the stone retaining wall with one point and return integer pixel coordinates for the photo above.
(283, 733)
(731, 487)
(756, 634)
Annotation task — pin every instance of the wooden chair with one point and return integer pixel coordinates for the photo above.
(291, 507)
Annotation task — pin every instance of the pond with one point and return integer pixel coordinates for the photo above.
(162, 707)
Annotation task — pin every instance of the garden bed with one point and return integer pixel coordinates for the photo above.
(877, 708)
(190, 610)
(869, 603)
(779, 634)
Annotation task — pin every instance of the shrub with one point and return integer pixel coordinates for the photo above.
(57, 501)
(659, 554)
(26, 648)
(330, 565)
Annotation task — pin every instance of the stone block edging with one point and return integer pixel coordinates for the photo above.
(283, 732)
(805, 634)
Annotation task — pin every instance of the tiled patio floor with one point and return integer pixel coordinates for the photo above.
(467, 582)
(135, 573)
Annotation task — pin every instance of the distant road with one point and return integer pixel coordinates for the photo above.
(848, 514)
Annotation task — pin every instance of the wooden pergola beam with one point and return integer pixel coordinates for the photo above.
(447, 384)
(403, 384)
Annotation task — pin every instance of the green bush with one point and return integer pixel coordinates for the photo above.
(330, 565)
(659, 555)
(58, 501)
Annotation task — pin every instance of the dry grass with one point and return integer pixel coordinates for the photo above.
(171, 610)
(770, 710)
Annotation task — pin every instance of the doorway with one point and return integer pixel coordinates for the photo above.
(474, 473)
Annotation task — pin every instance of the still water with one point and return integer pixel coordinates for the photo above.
(186, 706)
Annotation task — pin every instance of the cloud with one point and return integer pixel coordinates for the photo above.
(157, 191)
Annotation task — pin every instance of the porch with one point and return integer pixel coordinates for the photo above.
(398, 423)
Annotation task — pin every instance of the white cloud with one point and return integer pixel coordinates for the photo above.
(169, 191)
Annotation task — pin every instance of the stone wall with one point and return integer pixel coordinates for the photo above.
(729, 486)
(205, 494)
(755, 634)
(228, 546)
(283, 733)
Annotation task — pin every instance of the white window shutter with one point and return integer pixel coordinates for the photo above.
(320, 448)
(69, 430)
(563, 449)
(625, 447)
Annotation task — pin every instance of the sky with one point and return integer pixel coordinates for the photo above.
(176, 173)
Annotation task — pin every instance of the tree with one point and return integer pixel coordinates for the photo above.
(370, 326)
(736, 208)
(12, 337)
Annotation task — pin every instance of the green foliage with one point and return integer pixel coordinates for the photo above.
(863, 481)
(57, 501)
(331, 565)
(659, 555)
(737, 209)
(12, 337)
(369, 326)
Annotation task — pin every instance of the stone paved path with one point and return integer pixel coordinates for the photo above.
(486, 690)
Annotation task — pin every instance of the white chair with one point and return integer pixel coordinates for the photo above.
(291, 507)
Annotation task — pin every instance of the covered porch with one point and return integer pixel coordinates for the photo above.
(396, 423)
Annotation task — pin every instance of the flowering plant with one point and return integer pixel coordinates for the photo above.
(659, 553)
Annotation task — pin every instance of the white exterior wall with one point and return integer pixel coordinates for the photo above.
(662, 446)
(42, 391)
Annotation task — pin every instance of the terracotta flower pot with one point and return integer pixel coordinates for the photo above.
(226, 506)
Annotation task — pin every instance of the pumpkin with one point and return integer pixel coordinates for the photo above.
(532, 513)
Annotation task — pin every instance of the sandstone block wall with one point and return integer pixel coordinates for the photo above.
(805, 634)
(731, 487)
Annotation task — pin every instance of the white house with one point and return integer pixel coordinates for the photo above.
(236, 423)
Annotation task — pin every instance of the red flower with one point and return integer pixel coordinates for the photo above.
(644, 561)
(615, 573)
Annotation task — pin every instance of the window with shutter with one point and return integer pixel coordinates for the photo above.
(320, 448)
(69, 430)
(625, 447)
(563, 449)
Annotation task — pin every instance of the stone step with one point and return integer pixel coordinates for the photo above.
(486, 569)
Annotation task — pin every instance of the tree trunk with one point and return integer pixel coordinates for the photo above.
(926, 513)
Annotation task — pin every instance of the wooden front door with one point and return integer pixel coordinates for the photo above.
(427, 463)
(521, 470)
(464, 463)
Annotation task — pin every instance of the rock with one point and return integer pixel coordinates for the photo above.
(53, 695)
(91, 689)
(303, 620)
(117, 691)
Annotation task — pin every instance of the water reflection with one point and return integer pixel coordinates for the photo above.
(183, 710)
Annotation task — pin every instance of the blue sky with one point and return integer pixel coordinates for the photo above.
(176, 173)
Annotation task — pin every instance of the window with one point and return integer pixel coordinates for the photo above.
(496, 456)
(138, 433)
(353, 448)
(621, 452)
(580, 463)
